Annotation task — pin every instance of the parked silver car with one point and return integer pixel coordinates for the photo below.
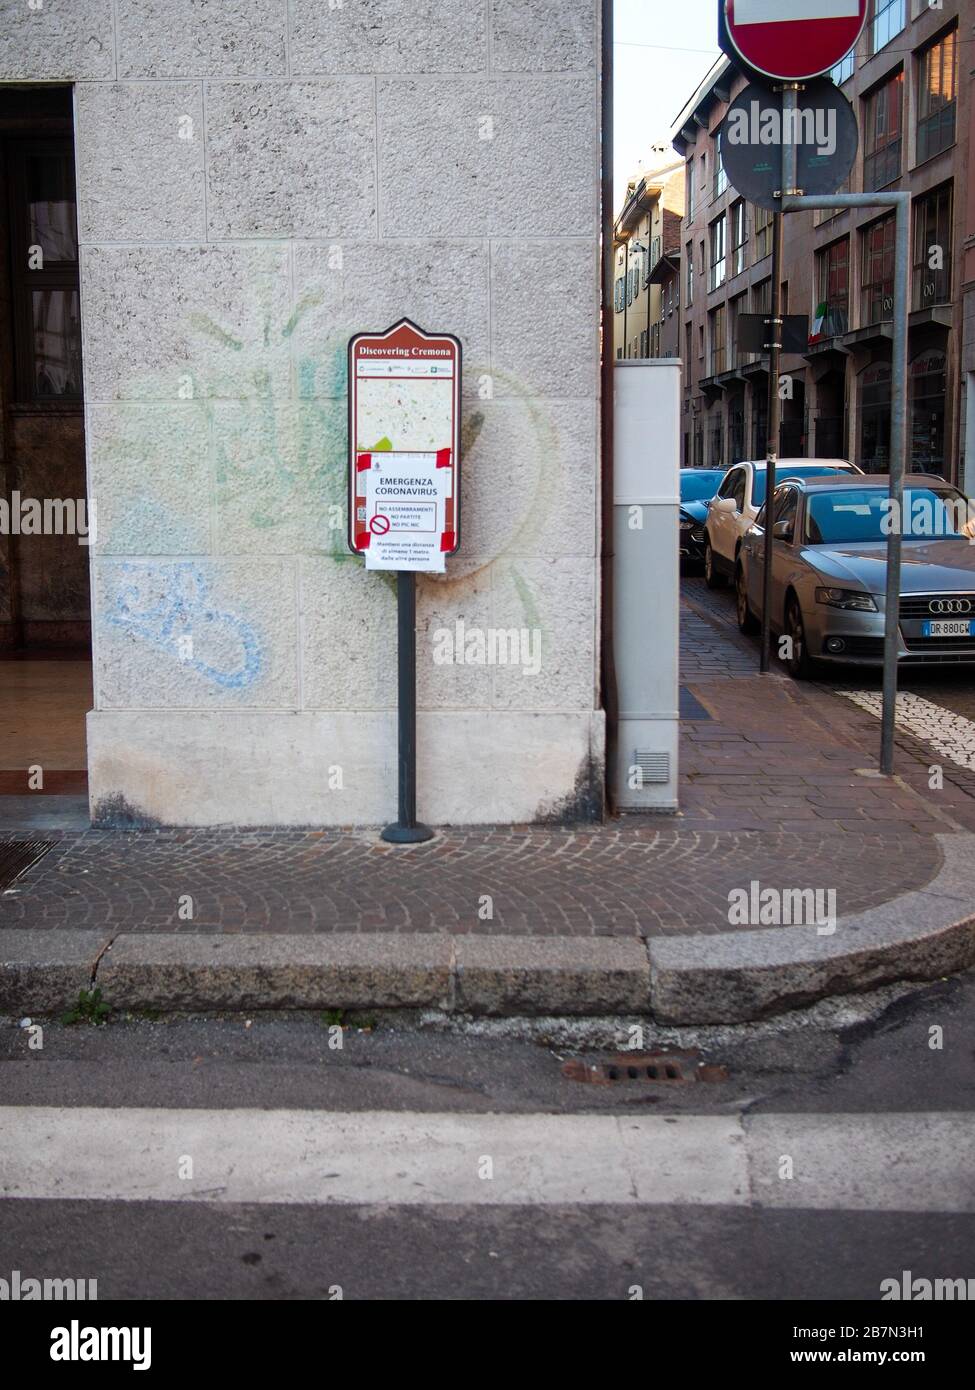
(829, 571)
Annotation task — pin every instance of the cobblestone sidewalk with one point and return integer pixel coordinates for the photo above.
(778, 785)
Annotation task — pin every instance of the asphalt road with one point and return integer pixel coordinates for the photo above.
(879, 1124)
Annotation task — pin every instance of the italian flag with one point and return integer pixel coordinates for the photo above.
(818, 323)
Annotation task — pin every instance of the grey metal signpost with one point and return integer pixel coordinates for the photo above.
(790, 198)
(774, 413)
(901, 202)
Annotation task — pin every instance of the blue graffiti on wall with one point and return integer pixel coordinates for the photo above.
(184, 611)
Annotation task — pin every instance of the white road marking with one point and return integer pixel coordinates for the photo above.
(910, 1162)
(948, 733)
(314, 1156)
(876, 1162)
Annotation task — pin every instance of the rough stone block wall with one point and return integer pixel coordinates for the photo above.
(257, 180)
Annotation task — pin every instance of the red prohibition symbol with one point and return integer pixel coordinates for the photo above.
(379, 525)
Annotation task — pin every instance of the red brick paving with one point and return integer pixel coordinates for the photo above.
(641, 876)
(795, 752)
(776, 786)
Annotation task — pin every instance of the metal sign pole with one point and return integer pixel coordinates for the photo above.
(406, 831)
(774, 422)
(774, 345)
(898, 466)
(901, 202)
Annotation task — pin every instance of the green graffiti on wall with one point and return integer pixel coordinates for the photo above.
(279, 461)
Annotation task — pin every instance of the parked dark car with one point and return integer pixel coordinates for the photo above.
(697, 487)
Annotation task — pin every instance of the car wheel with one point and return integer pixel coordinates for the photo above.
(747, 622)
(800, 665)
(712, 576)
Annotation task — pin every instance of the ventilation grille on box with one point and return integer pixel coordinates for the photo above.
(654, 766)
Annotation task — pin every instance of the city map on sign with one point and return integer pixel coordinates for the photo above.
(404, 395)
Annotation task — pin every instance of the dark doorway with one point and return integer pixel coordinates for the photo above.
(736, 428)
(928, 394)
(45, 612)
(792, 432)
(759, 420)
(830, 422)
(874, 401)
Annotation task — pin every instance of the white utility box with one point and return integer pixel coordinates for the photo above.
(646, 580)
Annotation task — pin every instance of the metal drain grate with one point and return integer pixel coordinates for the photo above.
(669, 1068)
(16, 856)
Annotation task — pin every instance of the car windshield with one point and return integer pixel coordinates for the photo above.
(783, 471)
(854, 514)
(699, 487)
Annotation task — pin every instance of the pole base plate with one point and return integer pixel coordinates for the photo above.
(398, 834)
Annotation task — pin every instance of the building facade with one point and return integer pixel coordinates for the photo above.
(646, 307)
(909, 86)
(967, 258)
(225, 191)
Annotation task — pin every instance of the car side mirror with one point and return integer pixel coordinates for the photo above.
(783, 530)
(724, 504)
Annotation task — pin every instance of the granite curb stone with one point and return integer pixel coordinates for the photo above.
(194, 971)
(503, 975)
(43, 971)
(740, 977)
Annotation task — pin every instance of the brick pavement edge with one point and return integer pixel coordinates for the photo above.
(737, 977)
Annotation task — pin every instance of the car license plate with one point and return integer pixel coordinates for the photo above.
(946, 627)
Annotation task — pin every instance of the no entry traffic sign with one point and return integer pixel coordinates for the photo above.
(792, 40)
(404, 447)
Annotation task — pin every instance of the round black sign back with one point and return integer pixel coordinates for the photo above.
(823, 129)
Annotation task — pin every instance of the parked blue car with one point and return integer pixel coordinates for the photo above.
(697, 487)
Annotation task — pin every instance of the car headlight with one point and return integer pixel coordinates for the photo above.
(686, 524)
(847, 598)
